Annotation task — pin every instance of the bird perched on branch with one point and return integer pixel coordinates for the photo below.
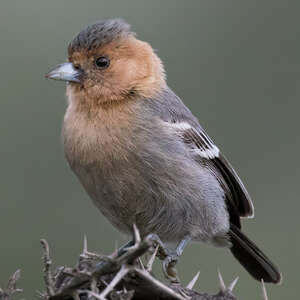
(143, 157)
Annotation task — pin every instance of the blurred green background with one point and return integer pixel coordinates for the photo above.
(235, 64)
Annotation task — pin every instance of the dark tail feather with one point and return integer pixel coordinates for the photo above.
(252, 258)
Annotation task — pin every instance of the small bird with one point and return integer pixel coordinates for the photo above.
(143, 157)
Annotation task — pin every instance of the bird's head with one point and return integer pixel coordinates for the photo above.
(107, 63)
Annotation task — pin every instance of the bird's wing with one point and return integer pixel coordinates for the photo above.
(169, 108)
(177, 120)
(200, 143)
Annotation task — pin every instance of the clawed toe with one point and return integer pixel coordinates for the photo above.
(169, 269)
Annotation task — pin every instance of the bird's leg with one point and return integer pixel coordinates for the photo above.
(125, 247)
(163, 252)
(120, 251)
(170, 257)
(171, 260)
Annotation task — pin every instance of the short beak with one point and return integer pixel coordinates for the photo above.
(65, 72)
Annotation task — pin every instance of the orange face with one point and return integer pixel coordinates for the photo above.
(125, 68)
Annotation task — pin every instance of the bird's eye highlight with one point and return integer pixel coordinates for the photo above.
(102, 62)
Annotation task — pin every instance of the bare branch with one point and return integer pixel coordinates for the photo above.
(151, 260)
(47, 272)
(168, 291)
(123, 271)
(11, 288)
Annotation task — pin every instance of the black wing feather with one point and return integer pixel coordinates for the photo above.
(238, 194)
(243, 200)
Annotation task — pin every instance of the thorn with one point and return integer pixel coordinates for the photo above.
(85, 253)
(118, 277)
(264, 291)
(97, 296)
(151, 260)
(182, 293)
(116, 246)
(161, 286)
(193, 281)
(136, 235)
(222, 284)
(104, 282)
(232, 284)
(40, 295)
(141, 264)
(94, 285)
(16, 276)
(85, 247)
(75, 295)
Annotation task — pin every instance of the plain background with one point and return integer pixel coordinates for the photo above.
(234, 63)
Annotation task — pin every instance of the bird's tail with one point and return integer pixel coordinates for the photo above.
(252, 258)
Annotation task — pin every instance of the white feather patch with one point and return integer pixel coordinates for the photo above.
(181, 125)
(207, 148)
(208, 153)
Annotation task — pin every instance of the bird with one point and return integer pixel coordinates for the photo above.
(143, 157)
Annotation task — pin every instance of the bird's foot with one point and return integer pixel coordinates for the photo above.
(169, 269)
(125, 248)
(169, 258)
(162, 252)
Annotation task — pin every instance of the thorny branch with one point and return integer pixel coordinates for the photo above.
(123, 276)
(119, 276)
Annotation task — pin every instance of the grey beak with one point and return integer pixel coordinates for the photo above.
(65, 72)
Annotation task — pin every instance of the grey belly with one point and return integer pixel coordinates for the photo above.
(173, 198)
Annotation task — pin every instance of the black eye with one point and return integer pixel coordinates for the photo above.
(102, 62)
